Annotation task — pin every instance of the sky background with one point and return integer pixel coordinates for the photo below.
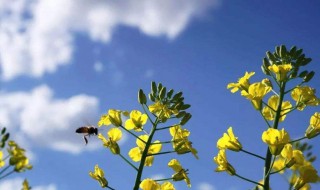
(66, 62)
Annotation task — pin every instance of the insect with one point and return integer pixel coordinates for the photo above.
(87, 130)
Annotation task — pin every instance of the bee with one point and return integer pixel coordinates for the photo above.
(87, 131)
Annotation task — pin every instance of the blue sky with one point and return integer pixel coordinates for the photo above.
(66, 62)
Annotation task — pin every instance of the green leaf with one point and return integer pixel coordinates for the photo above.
(142, 97)
(309, 76)
(153, 88)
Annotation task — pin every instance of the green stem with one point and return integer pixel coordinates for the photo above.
(145, 111)
(167, 152)
(265, 119)
(299, 139)
(267, 165)
(128, 162)
(164, 142)
(133, 134)
(249, 180)
(4, 169)
(268, 173)
(278, 171)
(165, 179)
(7, 174)
(144, 156)
(252, 154)
(110, 188)
(168, 127)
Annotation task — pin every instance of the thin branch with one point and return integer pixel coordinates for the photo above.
(252, 154)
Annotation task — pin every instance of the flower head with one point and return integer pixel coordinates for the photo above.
(113, 117)
(25, 185)
(276, 139)
(98, 175)
(242, 84)
(269, 112)
(229, 141)
(304, 96)
(136, 121)
(180, 141)
(18, 158)
(162, 110)
(280, 71)
(255, 93)
(181, 173)
(136, 153)
(308, 174)
(314, 128)
(114, 135)
(223, 164)
(293, 158)
(149, 184)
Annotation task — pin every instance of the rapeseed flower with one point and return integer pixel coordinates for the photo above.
(181, 173)
(180, 141)
(255, 93)
(276, 140)
(114, 135)
(314, 128)
(98, 175)
(136, 153)
(229, 141)
(242, 84)
(136, 121)
(223, 164)
(281, 71)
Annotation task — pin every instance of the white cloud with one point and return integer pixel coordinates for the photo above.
(37, 36)
(16, 183)
(38, 119)
(205, 186)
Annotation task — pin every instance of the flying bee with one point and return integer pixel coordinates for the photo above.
(87, 131)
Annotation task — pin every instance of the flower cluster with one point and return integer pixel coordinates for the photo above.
(18, 161)
(143, 125)
(281, 67)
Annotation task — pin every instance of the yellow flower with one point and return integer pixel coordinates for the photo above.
(255, 93)
(2, 163)
(314, 128)
(223, 164)
(136, 153)
(278, 165)
(293, 158)
(269, 111)
(113, 117)
(304, 96)
(162, 111)
(308, 174)
(167, 186)
(115, 135)
(136, 121)
(149, 184)
(242, 84)
(98, 175)
(276, 139)
(280, 71)
(180, 141)
(181, 173)
(18, 158)
(25, 185)
(229, 141)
